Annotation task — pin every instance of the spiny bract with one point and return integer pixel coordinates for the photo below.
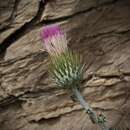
(67, 69)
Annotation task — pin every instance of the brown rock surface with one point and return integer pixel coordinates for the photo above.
(99, 29)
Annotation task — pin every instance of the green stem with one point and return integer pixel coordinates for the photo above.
(88, 109)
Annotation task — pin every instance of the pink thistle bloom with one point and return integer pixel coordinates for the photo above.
(54, 39)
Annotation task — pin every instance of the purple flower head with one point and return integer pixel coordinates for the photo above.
(54, 40)
(50, 31)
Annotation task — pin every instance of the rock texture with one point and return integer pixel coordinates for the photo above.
(99, 29)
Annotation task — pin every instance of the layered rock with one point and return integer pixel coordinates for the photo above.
(99, 30)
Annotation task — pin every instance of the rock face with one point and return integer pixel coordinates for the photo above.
(99, 29)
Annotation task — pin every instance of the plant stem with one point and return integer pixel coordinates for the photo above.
(88, 109)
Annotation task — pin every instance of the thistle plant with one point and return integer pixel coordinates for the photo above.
(67, 68)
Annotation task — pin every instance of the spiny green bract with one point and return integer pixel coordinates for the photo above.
(67, 69)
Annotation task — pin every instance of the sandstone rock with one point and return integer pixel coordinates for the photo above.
(14, 14)
(29, 100)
